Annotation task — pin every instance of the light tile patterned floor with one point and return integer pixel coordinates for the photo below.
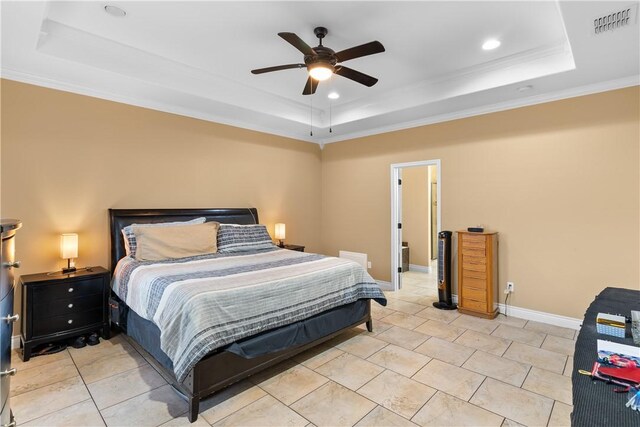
(420, 366)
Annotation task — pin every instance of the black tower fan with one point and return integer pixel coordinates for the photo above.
(444, 272)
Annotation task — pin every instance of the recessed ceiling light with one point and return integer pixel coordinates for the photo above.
(115, 11)
(491, 44)
(333, 95)
(525, 88)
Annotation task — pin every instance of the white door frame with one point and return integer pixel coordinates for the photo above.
(396, 212)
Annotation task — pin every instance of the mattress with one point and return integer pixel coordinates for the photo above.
(204, 303)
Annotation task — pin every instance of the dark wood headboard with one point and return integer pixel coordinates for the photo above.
(120, 218)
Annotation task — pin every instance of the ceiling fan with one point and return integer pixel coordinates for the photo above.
(322, 62)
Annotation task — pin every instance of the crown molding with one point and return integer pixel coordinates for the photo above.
(494, 108)
(22, 77)
(486, 109)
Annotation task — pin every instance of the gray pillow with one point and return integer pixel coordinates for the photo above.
(241, 238)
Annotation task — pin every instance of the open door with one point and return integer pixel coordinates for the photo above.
(396, 228)
(399, 238)
(396, 214)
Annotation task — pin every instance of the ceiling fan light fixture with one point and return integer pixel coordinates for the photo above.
(321, 71)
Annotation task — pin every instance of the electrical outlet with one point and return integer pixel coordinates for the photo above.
(369, 264)
(510, 287)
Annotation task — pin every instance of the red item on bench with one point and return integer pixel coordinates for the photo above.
(628, 375)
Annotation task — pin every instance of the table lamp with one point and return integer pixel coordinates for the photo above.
(69, 250)
(280, 233)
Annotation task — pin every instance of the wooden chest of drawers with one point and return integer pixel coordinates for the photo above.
(478, 274)
(57, 306)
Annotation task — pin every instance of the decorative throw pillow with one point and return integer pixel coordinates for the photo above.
(130, 237)
(241, 238)
(178, 241)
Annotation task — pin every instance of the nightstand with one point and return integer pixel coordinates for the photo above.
(294, 248)
(57, 306)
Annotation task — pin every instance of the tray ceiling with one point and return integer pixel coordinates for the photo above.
(194, 58)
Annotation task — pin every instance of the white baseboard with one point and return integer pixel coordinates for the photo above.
(537, 316)
(420, 268)
(542, 317)
(15, 342)
(385, 286)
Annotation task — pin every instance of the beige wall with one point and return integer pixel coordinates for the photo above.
(559, 181)
(67, 158)
(416, 216)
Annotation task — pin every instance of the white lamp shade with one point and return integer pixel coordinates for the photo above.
(69, 246)
(280, 231)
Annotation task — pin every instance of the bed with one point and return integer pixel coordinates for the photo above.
(202, 350)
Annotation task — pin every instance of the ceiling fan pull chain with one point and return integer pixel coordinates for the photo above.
(330, 104)
(311, 118)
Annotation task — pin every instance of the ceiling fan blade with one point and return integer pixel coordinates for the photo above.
(359, 51)
(298, 43)
(310, 87)
(356, 76)
(277, 68)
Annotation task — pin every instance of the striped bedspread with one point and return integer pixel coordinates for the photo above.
(203, 303)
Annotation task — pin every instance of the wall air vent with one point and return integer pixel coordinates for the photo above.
(619, 19)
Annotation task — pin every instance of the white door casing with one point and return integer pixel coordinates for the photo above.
(396, 214)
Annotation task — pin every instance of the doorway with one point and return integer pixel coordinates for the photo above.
(414, 227)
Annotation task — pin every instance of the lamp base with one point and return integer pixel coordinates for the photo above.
(70, 268)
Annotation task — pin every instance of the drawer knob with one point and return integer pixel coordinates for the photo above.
(14, 264)
(70, 321)
(9, 372)
(70, 306)
(11, 319)
(70, 289)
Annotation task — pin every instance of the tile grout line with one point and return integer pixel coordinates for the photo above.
(242, 407)
(57, 410)
(132, 397)
(551, 412)
(507, 384)
(87, 388)
(473, 404)
(14, 394)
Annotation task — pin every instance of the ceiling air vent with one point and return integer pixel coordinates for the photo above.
(619, 19)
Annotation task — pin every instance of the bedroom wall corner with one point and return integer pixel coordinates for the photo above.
(559, 181)
(66, 159)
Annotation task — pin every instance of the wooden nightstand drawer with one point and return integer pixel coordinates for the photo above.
(67, 322)
(64, 289)
(67, 305)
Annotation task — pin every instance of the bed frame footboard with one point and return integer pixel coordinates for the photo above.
(222, 369)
